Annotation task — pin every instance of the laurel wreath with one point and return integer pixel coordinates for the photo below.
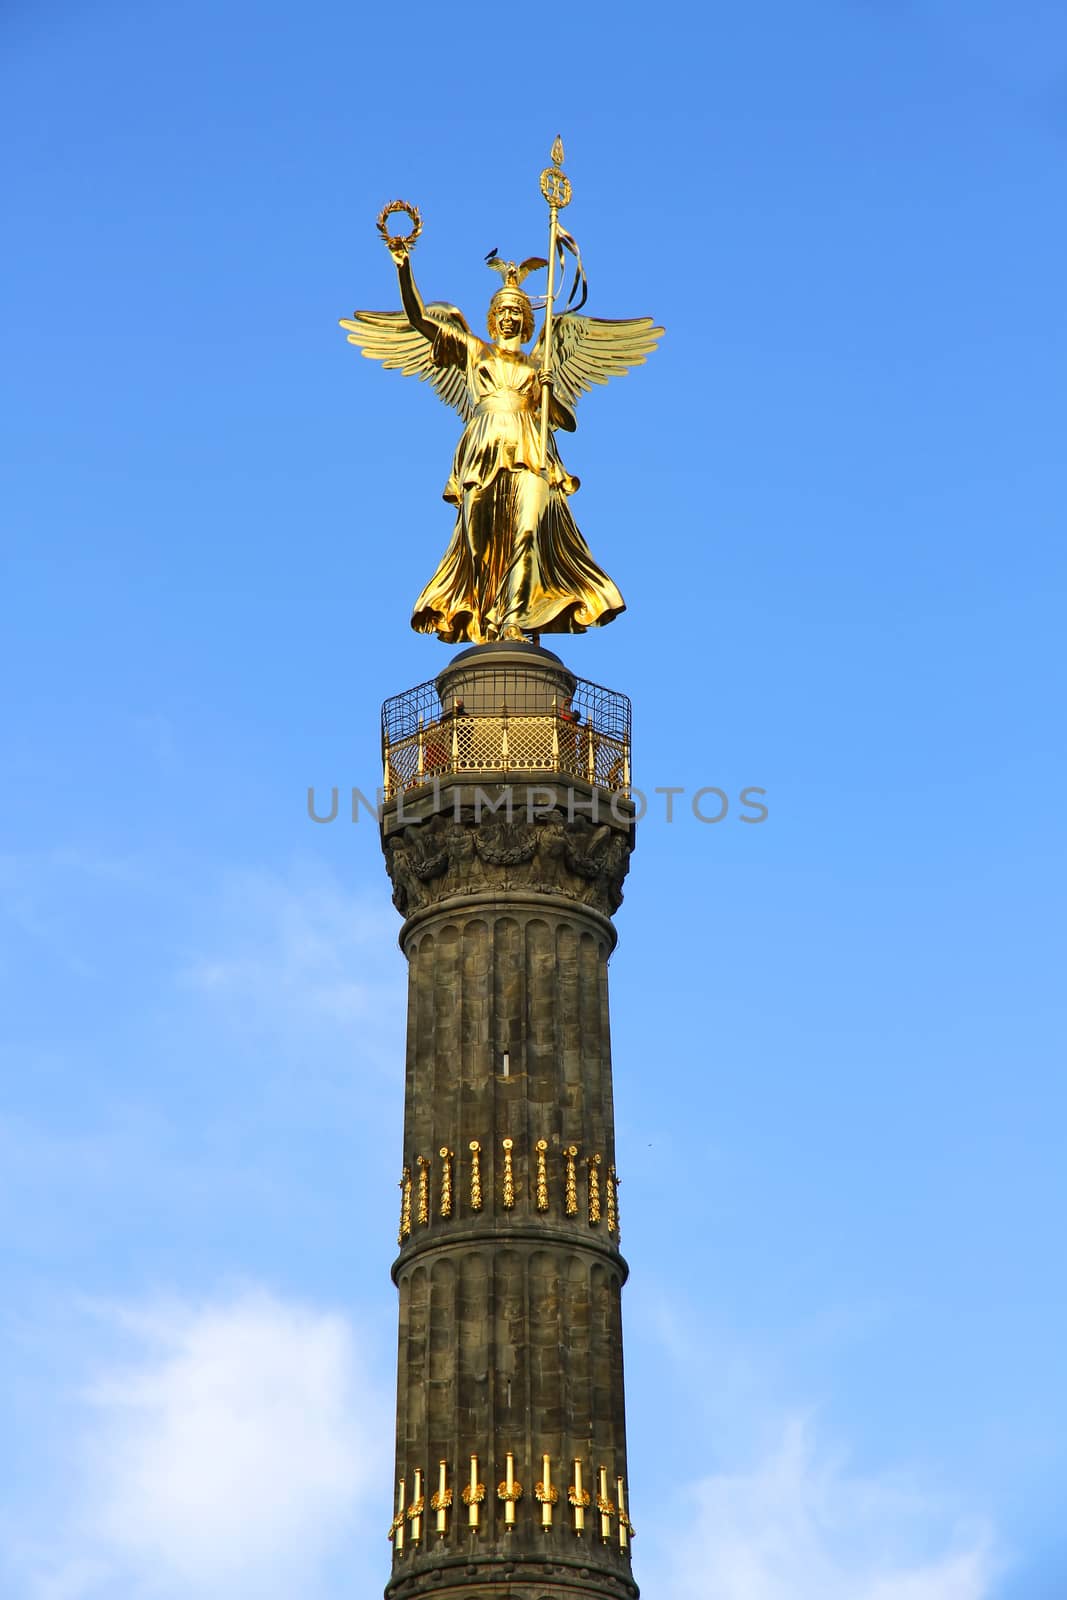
(405, 239)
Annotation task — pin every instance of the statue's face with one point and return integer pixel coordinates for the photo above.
(508, 321)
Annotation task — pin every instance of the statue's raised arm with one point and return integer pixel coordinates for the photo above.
(406, 340)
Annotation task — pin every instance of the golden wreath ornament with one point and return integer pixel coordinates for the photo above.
(407, 240)
(556, 187)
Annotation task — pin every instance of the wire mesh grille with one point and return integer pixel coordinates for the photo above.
(505, 723)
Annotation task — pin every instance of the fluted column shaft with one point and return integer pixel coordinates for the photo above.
(509, 1270)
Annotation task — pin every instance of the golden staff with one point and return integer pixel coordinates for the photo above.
(556, 188)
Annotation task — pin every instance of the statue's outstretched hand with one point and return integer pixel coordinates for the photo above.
(398, 244)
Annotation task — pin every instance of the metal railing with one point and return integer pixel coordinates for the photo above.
(583, 735)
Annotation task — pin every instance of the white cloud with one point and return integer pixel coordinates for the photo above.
(231, 1454)
(798, 1526)
(39, 896)
(71, 1580)
(301, 950)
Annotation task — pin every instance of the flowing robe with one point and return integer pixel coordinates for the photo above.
(516, 559)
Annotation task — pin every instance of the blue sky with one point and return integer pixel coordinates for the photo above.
(834, 500)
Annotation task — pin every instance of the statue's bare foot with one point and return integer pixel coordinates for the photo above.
(513, 632)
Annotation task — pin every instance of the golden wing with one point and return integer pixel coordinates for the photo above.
(388, 337)
(590, 350)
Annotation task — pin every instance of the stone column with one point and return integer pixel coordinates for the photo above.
(509, 1269)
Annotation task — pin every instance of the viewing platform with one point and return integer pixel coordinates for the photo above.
(506, 710)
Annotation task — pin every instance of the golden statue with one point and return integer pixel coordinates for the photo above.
(516, 563)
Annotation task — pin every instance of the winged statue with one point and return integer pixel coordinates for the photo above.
(516, 563)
